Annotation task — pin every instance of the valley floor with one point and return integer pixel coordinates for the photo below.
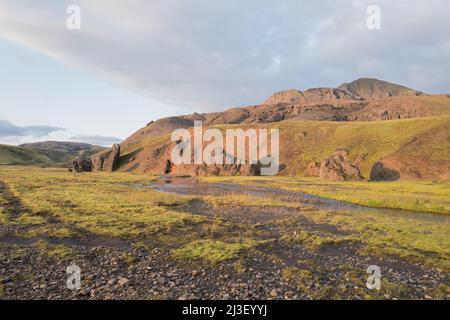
(139, 237)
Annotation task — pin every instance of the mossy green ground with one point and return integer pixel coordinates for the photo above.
(214, 251)
(422, 196)
(21, 155)
(108, 205)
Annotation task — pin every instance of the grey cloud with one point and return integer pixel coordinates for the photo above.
(8, 129)
(96, 139)
(210, 54)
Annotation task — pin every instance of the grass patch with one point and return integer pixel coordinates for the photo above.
(3, 216)
(314, 240)
(212, 250)
(420, 241)
(422, 196)
(301, 277)
(245, 200)
(50, 231)
(27, 219)
(101, 203)
(53, 250)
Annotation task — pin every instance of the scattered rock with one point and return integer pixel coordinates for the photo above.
(274, 293)
(381, 172)
(338, 167)
(122, 281)
(82, 164)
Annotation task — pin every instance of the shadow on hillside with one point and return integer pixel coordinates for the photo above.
(128, 158)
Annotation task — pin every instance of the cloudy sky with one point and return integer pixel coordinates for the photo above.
(139, 60)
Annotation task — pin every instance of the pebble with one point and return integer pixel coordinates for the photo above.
(122, 281)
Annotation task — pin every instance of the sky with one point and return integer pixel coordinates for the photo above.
(135, 61)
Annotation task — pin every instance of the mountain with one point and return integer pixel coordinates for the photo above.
(366, 116)
(70, 147)
(360, 100)
(371, 89)
(315, 95)
(358, 90)
(46, 153)
(416, 148)
(21, 155)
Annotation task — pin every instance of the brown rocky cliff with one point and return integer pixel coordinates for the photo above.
(106, 161)
(111, 159)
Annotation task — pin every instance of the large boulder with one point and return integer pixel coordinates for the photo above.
(110, 161)
(381, 172)
(82, 164)
(338, 167)
(97, 163)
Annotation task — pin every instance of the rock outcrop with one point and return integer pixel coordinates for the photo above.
(314, 95)
(158, 161)
(338, 167)
(226, 170)
(110, 160)
(97, 163)
(381, 172)
(82, 164)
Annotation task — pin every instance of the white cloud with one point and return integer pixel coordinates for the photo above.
(96, 139)
(210, 54)
(10, 130)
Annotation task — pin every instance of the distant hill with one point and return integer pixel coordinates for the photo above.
(21, 155)
(46, 153)
(70, 147)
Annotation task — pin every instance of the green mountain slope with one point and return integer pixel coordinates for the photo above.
(302, 142)
(21, 155)
(46, 153)
(427, 139)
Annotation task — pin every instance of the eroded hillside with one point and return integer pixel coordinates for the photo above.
(376, 120)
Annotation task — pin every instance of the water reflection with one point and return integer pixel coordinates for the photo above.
(192, 186)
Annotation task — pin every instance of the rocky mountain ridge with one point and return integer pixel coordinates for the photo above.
(312, 140)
